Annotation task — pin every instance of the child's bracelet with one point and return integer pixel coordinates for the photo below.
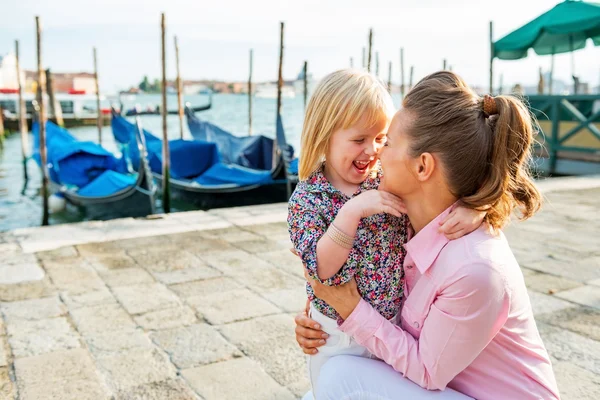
(339, 237)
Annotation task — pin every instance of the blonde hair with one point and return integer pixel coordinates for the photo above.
(484, 144)
(340, 101)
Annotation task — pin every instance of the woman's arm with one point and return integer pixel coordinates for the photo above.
(461, 322)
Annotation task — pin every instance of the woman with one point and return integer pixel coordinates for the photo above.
(466, 322)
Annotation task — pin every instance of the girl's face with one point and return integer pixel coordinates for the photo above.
(396, 161)
(353, 153)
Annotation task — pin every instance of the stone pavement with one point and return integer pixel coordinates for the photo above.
(200, 305)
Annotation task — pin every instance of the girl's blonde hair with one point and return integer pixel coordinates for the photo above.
(341, 100)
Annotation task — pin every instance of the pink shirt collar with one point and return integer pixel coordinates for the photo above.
(424, 247)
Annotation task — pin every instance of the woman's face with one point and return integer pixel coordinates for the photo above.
(397, 163)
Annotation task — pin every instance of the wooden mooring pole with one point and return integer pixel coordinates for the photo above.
(99, 117)
(179, 90)
(250, 92)
(492, 55)
(22, 117)
(56, 110)
(305, 83)
(444, 65)
(370, 50)
(276, 154)
(389, 84)
(377, 64)
(410, 77)
(402, 86)
(364, 58)
(166, 197)
(1, 128)
(42, 122)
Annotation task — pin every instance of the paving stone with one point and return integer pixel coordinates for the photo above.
(147, 242)
(197, 242)
(595, 282)
(549, 284)
(107, 343)
(30, 338)
(543, 303)
(276, 229)
(575, 383)
(228, 380)
(126, 277)
(97, 319)
(231, 235)
(27, 290)
(585, 295)
(171, 389)
(47, 307)
(167, 319)
(194, 345)
(3, 352)
(6, 385)
(236, 262)
(268, 280)
(271, 341)
(135, 367)
(74, 262)
(99, 249)
(564, 345)
(258, 246)
(54, 367)
(60, 253)
(107, 262)
(76, 280)
(138, 299)
(170, 260)
(284, 260)
(95, 298)
(582, 320)
(186, 275)
(571, 267)
(289, 300)
(205, 287)
(19, 273)
(233, 305)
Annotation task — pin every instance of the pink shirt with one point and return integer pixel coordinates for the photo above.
(466, 322)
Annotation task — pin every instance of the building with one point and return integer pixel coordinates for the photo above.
(64, 82)
(8, 72)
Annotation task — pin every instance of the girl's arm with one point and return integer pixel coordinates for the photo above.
(461, 221)
(331, 255)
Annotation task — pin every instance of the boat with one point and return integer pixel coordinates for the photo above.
(78, 109)
(93, 179)
(269, 91)
(156, 110)
(204, 175)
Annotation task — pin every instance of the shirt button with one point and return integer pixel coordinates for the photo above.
(416, 325)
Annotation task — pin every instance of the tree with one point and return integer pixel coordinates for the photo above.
(145, 85)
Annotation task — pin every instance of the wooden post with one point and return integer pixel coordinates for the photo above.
(389, 85)
(55, 108)
(22, 117)
(279, 86)
(501, 84)
(377, 64)
(99, 117)
(1, 128)
(250, 93)
(166, 198)
(370, 49)
(179, 90)
(305, 83)
(492, 55)
(551, 83)
(351, 62)
(364, 58)
(410, 79)
(402, 87)
(540, 81)
(444, 65)
(42, 122)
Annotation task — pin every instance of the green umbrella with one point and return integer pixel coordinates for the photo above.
(563, 29)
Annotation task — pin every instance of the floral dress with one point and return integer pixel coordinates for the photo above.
(376, 260)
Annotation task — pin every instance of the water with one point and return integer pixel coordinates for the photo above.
(21, 205)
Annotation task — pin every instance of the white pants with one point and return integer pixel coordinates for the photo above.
(356, 378)
(338, 343)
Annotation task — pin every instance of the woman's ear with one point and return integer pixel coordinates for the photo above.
(425, 166)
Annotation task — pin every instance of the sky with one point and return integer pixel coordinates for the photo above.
(215, 38)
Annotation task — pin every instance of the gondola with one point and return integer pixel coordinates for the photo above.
(201, 174)
(156, 110)
(94, 180)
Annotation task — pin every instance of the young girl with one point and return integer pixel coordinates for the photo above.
(340, 225)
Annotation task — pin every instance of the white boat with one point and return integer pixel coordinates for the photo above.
(269, 91)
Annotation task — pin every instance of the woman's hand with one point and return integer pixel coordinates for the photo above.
(343, 298)
(461, 221)
(309, 334)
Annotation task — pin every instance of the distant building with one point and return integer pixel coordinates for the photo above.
(69, 82)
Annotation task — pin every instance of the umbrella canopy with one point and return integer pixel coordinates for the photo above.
(563, 29)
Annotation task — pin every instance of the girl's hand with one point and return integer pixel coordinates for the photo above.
(309, 334)
(374, 202)
(460, 222)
